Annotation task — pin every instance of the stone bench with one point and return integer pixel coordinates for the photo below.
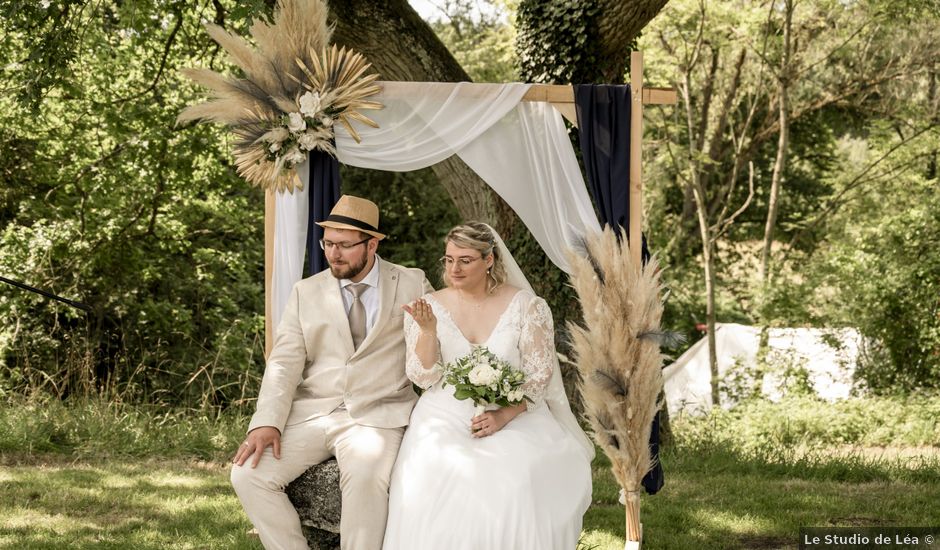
(316, 496)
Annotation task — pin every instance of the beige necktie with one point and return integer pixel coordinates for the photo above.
(357, 314)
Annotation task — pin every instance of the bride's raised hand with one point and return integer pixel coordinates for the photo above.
(420, 310)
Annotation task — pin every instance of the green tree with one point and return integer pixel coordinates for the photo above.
(110, 203)
(742, 76)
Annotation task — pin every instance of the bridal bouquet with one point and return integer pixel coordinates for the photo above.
(485, 378)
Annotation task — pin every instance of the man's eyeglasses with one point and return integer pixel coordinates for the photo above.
(463, 261)
(325, 245)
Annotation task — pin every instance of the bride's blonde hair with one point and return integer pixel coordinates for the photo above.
(477, 236)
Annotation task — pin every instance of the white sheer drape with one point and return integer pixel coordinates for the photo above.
(423, 123)
(290, 243)
(527, 158)
(521, 150)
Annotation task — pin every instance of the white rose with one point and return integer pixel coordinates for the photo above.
(310, 103)
(294, 156)
(482, 375)
(297, 123)
(308, 140)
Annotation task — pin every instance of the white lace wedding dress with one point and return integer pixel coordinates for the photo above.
(525, 487)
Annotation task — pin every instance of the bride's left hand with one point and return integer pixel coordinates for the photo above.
(491, 422)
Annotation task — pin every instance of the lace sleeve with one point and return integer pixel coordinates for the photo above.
(422, 377)
(537, 349)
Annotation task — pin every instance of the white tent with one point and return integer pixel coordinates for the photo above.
(827, 356)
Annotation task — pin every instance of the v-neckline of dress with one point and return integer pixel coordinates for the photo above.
(499, 321)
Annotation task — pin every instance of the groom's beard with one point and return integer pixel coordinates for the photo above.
(349, 270)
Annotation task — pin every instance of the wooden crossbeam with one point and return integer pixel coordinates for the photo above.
(564, 93)
(561, 96)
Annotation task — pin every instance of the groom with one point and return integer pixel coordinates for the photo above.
(334, 385)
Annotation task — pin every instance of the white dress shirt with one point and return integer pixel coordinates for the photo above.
(370, 296)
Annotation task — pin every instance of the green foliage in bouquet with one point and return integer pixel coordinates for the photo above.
(485, 378)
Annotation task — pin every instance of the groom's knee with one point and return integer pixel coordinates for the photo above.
(364, 478)
(246, 479)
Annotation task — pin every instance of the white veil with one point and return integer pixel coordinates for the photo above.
(555, 396)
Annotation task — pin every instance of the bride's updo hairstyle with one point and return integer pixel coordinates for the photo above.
(477, 236)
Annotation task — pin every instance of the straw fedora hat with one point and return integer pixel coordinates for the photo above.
(354, 213)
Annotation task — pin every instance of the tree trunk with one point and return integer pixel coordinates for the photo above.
(708, 248)
(935, 116)
(711, 322)
(702, 214)
(773, 206)
(401, 46)
(619, 24)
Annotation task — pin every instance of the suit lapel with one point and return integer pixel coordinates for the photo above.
(388, 286)
(333, 308)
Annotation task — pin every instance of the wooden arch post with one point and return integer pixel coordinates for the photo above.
(636, 159)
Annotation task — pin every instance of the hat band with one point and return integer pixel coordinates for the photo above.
(351, 221)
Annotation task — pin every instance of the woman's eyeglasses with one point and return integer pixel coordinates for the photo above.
(463, 261)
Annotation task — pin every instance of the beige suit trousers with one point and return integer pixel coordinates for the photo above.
(365, 456)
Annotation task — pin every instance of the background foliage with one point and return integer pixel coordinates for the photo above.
(104, 200)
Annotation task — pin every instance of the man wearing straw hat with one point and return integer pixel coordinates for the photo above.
(334, 385)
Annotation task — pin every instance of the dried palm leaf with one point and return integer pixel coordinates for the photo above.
(293, 57)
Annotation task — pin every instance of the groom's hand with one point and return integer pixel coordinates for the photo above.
(255, 444)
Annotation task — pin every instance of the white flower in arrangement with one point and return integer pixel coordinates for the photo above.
(294, 156)
(308, 140)
(45, 4)
(275, 147)
(310, 104)
(326, 121)
(515, 395)
(296, 122)
(482, 375)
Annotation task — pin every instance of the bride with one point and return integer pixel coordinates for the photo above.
(517, 477)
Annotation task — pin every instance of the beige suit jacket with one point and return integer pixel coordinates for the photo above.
(313, 367)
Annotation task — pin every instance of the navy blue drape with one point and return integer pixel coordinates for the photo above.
(604, 131)
(323, 195)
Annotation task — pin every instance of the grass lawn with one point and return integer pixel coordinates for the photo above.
(83, 476)
(711, 500)
(120, 503)
(723, 501)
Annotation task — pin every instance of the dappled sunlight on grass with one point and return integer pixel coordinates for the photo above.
(600, 540)
(732, 523)
(721, 492)
(19, 517)
(123, 505)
